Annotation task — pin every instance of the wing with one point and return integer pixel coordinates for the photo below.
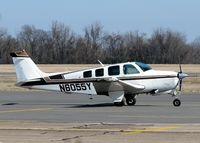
(132, 88)
(126, 86)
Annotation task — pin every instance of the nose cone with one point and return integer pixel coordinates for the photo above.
(182, 75)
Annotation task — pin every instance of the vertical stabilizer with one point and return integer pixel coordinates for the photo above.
(26, 69)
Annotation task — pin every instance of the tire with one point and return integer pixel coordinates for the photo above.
(130, 101)
(177, 102)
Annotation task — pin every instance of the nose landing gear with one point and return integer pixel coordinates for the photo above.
(177, 102)
(180, 76)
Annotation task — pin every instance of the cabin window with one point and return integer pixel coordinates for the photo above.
(87, 74)
(59, 76)
(114, 70)
(99, 72)
(130, 69)
(143, 66)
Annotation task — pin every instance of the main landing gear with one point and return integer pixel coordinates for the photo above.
(128, 99)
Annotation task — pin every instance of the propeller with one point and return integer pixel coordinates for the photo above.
(180, 79)
(181, 76)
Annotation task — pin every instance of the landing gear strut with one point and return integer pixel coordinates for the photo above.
(130, 99)
(176, 102)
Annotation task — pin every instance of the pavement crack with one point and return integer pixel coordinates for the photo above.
(43, 133)
(82, 136)
(86, 126)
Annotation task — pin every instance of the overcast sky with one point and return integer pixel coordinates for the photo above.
(115, 15)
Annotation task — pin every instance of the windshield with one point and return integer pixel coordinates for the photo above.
(143, 66)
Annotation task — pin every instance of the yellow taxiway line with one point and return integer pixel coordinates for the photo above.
(153, 129)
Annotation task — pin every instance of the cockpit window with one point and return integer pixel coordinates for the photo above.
(130, 69)
(143, 66)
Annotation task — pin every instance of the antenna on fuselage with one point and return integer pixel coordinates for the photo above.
(100, 63)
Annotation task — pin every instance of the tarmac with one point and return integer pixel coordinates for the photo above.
(37, 116)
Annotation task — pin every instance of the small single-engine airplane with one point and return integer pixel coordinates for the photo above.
(122, 82)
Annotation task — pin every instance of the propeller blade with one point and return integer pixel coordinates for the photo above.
(180, 68)
(180, 84)
(181, 76)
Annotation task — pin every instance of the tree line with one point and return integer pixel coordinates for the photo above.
(60, 45)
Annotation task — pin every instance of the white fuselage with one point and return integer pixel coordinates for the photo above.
(154, 81)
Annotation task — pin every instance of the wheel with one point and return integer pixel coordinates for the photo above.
(130, 100)
(177, 102)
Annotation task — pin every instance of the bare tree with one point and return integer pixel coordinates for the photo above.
(63, 40)
(61, 45)
(93, 39)
(167, 46)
